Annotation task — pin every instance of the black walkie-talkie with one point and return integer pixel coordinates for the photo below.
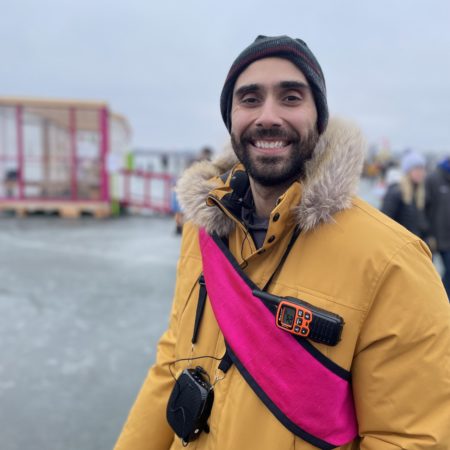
(190, 404)
(303, 319)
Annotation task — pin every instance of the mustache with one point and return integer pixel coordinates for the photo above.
(271, 133)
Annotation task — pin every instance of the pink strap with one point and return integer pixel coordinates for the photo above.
(307, 394)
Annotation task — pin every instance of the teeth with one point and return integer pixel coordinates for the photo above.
(269, 144)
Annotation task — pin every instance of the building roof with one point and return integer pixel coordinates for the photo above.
(57, 111)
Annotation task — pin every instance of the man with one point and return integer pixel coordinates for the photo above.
(385, 384)
(438, 213)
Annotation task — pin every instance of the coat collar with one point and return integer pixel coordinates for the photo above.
(331, 180)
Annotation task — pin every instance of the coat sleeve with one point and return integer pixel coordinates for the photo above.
(146, 427)
(400, 371)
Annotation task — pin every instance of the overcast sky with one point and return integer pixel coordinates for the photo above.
(162, 63)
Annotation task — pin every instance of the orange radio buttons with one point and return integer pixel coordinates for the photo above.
(294, 318)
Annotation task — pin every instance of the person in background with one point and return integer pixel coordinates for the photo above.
(177, 213)
(393, 176)
(404, 200)
(438, 214)
(279, 217)
(205, 154)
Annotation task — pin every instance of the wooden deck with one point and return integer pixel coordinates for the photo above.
(66, 209)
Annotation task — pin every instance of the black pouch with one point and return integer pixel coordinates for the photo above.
(190, 404)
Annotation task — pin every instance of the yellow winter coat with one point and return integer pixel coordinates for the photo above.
(349, 259)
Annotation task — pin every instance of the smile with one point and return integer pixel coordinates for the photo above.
(270, 144)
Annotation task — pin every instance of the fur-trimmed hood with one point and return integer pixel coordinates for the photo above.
(330, 182)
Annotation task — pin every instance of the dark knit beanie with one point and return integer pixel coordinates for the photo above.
(294, 50)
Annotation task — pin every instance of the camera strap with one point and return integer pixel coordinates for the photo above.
(309, 393)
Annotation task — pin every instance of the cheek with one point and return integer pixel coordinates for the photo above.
(239, 121)
(305, 119)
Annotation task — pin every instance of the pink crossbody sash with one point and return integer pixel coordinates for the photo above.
(305, 390)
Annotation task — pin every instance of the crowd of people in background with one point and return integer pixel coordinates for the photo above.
(420, 201)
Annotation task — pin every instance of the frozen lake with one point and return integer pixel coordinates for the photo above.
(82, 304)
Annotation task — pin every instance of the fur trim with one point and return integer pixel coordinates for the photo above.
(331, 180)
(193, 188)
(332, 175)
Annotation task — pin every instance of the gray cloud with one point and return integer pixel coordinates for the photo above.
(162, 64)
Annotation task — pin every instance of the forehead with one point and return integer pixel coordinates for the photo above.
(270, 72)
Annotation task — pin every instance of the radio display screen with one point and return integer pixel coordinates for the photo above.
(288, 316)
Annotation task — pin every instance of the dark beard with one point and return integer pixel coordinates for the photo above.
(273, 170)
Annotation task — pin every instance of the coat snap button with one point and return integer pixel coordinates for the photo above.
(271, 239)
(276, 217)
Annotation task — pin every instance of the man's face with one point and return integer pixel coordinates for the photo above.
(273, 119)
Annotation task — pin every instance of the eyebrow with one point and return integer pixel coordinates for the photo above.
(293, 85)
(240, 92)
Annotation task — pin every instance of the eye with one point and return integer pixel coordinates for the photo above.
(250, 99)
(293, 98)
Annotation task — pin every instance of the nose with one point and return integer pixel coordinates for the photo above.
(268, 116)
